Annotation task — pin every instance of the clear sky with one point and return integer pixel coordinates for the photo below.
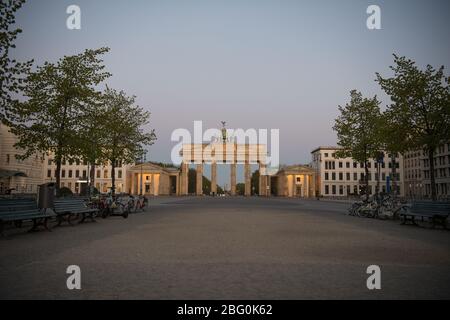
(253, 63)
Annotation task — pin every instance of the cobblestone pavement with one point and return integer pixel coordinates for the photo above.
(230, 248)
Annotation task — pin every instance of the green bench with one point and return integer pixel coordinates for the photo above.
(435, 212)
(17, 211)
(71, 209)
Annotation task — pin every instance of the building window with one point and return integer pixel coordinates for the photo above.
(341, 190)
(340, 164)
(326, 176)
(327, 189)
(333, 176)
(347, 165)
(348, 176)
(50, 162)
(49, 173)
(63, 173)
(333, 189)
(105, 174)
(119, 174)
(77, 173)
(84, 174)
(70, 173)
(326, 155)
(341, 176)
(98, 173)
(355, 176)
(355, 165)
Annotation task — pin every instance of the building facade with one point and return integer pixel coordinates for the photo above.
(74, 175)
(418, 176)
(342, 177)
(18, 176)
(294, 181)
(152, 179)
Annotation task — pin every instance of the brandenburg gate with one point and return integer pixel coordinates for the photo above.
(224, 152)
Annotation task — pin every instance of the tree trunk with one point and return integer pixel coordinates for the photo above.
(366, 178)
(113, 177)
(394, 175)
(432, 178)
(92, 175)
(58, 174)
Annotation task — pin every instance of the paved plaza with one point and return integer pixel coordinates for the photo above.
(229, 248)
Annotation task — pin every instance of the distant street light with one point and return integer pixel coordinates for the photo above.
(143, 159)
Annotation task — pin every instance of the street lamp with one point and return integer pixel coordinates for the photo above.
(143, 159)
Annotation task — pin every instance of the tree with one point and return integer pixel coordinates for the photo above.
(12, 72)
(122, 124)
(58, 97)
(240, 188)
(255, 182)
(192, 181)
(358, 131)
(420, 111)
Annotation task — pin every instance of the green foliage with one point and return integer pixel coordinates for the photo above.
(64, 192)
(357, 128)
(59, 95)
(12, 72)
(240, 189)
(420, 111)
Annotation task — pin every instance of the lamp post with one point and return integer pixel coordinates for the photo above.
(143, 159)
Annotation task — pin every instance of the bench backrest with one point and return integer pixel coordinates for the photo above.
(69, 205)
(17, 205)
(16, 213)
(441, 208)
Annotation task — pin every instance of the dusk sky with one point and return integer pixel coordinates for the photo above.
(256, 64)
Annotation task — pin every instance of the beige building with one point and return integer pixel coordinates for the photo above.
(74, 175)
(152, 179)
(229, 153)
(413, 184)
(18, 176)
(417, 173)
(337, 177)
(294, 181)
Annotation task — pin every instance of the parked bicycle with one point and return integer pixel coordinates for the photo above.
(378, 207)
(113, 206)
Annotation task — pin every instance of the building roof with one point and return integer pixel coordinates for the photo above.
(332, 148)
(150, 167)
(296, 169)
